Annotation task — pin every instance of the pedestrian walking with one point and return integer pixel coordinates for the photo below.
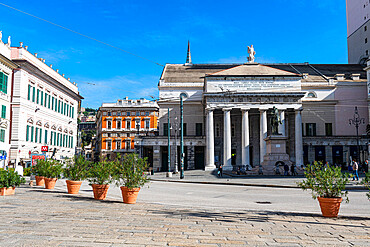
(286, 170)
(220, 170)
(355, 170)
(293, 170)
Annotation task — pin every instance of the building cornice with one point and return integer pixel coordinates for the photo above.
(8, 62)
(32, 69)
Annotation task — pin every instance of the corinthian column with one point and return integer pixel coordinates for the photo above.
(227, 140)
(210, 142)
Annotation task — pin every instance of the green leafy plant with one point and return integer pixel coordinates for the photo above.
(10, 178)
(27, 171)
(327, 182)
(52, 169)
(40, 168)
(131, 171)
(366, 183)
(101, 172)
(76, 169)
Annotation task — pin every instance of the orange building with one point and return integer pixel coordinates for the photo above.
(121, 125)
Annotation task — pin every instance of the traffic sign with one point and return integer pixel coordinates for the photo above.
(44, 148)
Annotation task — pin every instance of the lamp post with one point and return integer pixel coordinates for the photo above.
(357, 121)
(182, 95)
(176, 170)
(138, 136)
(169, 145)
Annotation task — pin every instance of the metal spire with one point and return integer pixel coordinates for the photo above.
(188, 57)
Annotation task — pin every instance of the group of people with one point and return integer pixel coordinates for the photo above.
(292, 169)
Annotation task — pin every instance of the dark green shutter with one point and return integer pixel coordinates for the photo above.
(3, 111)
(29, 92)
(28, 133)
(5, 84)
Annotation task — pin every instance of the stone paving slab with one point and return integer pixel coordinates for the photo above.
(39, 217)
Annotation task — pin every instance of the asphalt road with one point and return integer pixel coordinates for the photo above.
(228, 197)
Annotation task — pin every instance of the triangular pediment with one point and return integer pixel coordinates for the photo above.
(253, 70)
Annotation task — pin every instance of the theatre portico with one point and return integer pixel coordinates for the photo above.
(238, 103)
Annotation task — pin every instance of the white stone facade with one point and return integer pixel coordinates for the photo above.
(6, 75)
(44, 109)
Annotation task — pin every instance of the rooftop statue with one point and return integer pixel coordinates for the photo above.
(1, 36)
(251, 53)
(9, 41)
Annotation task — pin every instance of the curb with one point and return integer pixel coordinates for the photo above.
(350, 187)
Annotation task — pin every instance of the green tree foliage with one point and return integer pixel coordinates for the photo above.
(366, 182)
(328, 182)
(101, 172)
(10, 178)
(77, 168)
(47, 168)
(131, 171)
(86, 137)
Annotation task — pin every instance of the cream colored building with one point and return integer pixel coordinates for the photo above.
(44, 109)
(227, 114)
(6, 75)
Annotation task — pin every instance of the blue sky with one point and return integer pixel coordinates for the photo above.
(219, 32)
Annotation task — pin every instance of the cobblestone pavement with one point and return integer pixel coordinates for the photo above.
(38, 217)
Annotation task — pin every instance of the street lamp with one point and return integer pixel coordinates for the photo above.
(357, 121)
(176, 170)
(169, 145)
(182, 95)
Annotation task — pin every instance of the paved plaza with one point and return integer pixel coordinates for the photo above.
(39, 217)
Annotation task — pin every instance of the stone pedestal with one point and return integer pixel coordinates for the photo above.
(275, 155)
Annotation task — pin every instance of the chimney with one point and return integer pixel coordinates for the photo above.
(339, 77)
(355, 77)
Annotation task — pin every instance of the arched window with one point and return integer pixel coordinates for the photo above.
(311, 95)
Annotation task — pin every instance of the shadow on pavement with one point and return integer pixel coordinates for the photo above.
(78, 197)
(264, 216)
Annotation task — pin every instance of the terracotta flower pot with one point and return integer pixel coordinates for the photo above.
(7, 191)
(330, 206)
(39, 181)
(129, 195)
(50, 183)
(73, 186)
(100, 191)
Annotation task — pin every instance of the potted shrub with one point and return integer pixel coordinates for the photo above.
(130, 175)
(366, 183)
(39, 171)
(327, 185)
(53, 170)
(9, 179)
(76, 171)
(99, 176)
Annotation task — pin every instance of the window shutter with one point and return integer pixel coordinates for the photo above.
(28, 133)
(1, 80)
(3, 111)
(5, 84)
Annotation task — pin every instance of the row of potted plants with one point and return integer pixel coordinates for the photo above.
(128, 172)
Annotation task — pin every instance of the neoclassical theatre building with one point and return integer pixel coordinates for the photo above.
(258, 116)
